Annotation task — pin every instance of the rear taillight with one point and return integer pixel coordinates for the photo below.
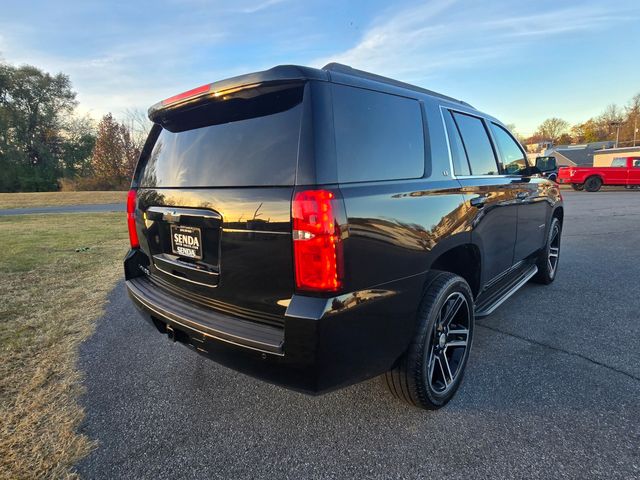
(131, 219)
(317, 246)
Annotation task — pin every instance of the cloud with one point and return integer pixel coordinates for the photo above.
(558, 21)
(395, 42)
(121, 72)
(260, 6)
(420, 41)
(140, 52)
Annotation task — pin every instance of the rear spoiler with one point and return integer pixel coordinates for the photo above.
(279, 74)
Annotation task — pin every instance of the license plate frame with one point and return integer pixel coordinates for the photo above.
(186, 241)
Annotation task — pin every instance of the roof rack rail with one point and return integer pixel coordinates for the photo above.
(341, 68)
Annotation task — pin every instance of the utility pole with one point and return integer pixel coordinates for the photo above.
(616, 124)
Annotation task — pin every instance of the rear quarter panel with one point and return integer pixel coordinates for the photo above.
(396, 230)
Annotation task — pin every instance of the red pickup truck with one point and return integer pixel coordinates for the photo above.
(623, 171)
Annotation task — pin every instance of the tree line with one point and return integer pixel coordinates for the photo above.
(621, 123)
(45, 145)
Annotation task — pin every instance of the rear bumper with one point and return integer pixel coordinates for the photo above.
(324, 343)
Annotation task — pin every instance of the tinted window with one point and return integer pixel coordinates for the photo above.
(513, 159)
(378, 136)
(237, 142)
(476, 144)
(619, 162)
(458, 156)
(546, 163)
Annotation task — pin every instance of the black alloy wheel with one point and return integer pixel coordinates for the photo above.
(549, 256)
(449, 342)
(429, 373)
(553, 254)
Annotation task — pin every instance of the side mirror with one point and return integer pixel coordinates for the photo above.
(546, 164)
(531, 171)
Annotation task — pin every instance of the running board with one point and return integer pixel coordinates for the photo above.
(493, 300)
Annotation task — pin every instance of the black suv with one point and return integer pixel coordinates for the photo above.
(318, 227)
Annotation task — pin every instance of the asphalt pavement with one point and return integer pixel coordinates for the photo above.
(552, 389)
(88, 208)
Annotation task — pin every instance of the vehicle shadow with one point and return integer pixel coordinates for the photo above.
(159, 410)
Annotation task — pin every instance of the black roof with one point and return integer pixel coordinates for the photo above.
(347, 70)
(286, 73)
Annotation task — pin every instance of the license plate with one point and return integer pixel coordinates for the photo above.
(186, 241)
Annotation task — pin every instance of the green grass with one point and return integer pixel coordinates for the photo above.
(50, 296)
(51, 199)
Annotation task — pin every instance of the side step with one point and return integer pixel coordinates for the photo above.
(495, 297)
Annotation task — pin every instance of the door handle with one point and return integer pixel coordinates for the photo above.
(479, 201)
(522, 195)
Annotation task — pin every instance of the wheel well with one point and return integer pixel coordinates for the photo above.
(463, 260)
(559, 214)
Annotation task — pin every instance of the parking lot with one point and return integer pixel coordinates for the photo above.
(551, 390)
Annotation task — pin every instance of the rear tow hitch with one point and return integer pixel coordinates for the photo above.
(171, 333)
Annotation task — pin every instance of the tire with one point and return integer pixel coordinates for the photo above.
(549, 257)
(578, 187)
(431, 370)
(593, 184)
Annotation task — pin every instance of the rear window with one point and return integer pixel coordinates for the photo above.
(250, 139)
(378, 136)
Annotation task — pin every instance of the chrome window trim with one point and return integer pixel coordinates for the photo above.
(489, 136)
(446, 135)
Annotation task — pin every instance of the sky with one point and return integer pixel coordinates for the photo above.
(520, 61)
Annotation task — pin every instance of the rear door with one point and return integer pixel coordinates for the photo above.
(491, 194)
(215, 192)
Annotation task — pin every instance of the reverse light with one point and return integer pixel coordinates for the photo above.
(317, 246)
(131, 220)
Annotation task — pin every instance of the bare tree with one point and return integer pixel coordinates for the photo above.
(512, 128)
(612, 114)
(553, 128)
(630, 130)
(138, 124)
